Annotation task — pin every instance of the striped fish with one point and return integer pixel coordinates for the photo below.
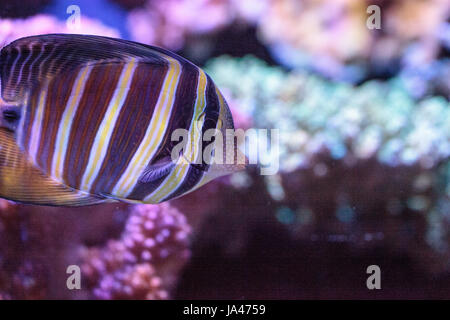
(88, 119)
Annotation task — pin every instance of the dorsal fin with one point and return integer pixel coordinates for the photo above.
(20, 181)
(30, 60)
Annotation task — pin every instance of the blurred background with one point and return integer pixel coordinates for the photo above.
(364, 175)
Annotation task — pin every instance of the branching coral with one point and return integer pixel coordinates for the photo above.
(37, 244)
(143, 263)
(138, 281)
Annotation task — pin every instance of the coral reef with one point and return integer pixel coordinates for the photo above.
(364, 170)
(331, 37)
(37, 244)
(375, 119)
(12, 29)
(143, 262)
(355, 163)
(168, 23)
(300, 34)
(303, 34)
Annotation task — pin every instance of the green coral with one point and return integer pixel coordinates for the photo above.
(362, 163)
(375, 119)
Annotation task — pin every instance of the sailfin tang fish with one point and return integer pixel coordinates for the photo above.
(89, 119)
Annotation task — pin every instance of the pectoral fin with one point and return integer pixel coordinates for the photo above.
(20, 181)
(157, 170)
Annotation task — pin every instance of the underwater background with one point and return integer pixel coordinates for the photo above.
(364, 175)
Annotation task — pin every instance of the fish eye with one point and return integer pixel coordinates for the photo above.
(11, 115)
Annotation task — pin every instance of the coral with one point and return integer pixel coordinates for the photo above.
(19, 276)
(143, 263)
(130, 4)
(356, 164)
(169, 23)
(311, 27)
(427, 78)
(12, 29)
(156, 234)
(331, 37)
(299, 33)
(375, 119)
(137, 281)
(37, 244)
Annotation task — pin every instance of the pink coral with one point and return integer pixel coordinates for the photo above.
(38, 243)
(328, 34)
(156, 233)
(168, 23)
(12, 29)
(131, 282)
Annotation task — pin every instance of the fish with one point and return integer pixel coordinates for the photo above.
(88, 119)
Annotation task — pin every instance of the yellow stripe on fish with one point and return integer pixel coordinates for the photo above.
(66, 123)
(151, 140)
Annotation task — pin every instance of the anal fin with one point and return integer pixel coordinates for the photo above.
(20, 181)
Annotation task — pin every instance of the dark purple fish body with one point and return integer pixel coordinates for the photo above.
(94, 116)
